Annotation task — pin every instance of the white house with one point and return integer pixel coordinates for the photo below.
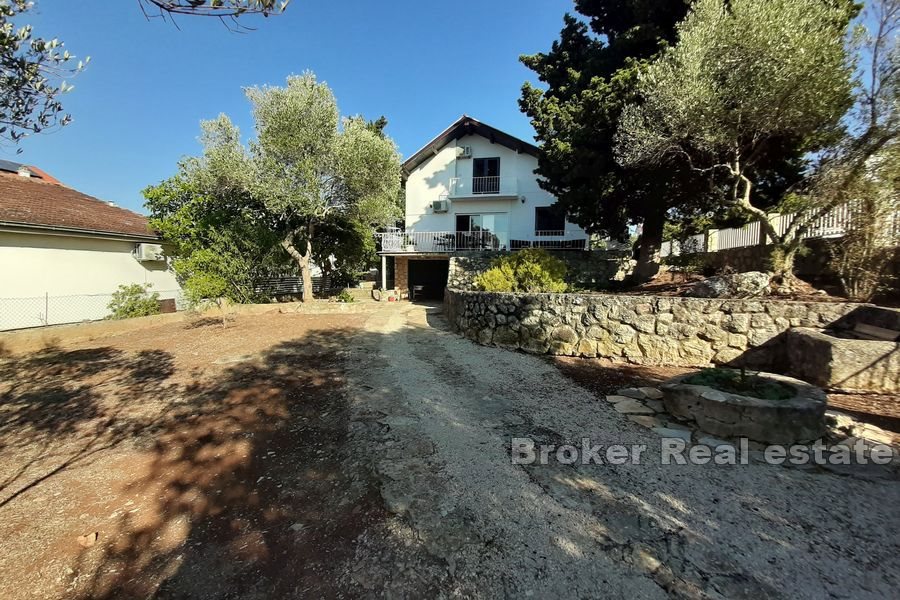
(472, 188)
(63, 253)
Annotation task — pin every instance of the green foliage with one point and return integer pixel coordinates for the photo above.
(344, 249)
(531, 270)
(590, 74)
(219, 235)
(309, 172)
(307, 189)
(345, 296)
(739, 382)
(33, 74)
(133, 300)
(744, 80)
(862, 256)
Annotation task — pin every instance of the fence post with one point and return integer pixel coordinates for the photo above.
(711, 241)
(46, 309)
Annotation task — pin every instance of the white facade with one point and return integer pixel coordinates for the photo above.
(508, 207)
(50, 279)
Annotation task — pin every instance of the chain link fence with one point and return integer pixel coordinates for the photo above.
(41, 311)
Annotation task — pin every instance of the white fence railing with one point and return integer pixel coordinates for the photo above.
(437, 242)
(832, 224)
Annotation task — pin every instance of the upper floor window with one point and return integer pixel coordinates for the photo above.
(486, 176)
(549, 220)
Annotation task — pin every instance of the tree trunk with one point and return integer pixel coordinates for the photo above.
(650, 244)
(302, 260)
(781, 263)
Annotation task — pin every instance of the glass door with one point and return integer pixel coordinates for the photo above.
(482, 231)
(486, 176)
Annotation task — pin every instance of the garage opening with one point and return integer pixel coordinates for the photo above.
(427, 279)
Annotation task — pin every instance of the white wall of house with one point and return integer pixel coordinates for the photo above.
(432, 180)
(63, 279)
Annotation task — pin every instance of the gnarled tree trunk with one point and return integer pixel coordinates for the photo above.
(649, 248)
(303, 260)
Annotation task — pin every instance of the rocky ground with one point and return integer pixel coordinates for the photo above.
(369, 455)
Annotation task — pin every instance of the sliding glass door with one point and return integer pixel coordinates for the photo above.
(486, 231)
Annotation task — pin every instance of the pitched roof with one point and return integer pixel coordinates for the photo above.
(13, 167)
(28, 202)
(464, 126)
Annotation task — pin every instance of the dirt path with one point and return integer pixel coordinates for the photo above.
(434, 414)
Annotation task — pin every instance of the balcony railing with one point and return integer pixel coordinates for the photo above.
(477, 187)
(444, 242)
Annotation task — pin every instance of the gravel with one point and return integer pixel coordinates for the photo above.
(434, 415)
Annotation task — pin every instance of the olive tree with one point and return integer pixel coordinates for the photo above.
(309, 166)
(33, 73)
(745, 78)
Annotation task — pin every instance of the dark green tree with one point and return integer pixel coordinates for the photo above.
(590, 74)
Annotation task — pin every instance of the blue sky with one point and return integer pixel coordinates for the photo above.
(138, 105)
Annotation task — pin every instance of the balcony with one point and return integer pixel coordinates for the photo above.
(451, 242)
(484, 187)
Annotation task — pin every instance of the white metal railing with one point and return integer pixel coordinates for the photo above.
(416, 242)
(832, 224)
(477, 187)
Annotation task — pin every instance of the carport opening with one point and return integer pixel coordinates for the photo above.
(427, 279)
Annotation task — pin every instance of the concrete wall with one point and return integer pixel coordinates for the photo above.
(77, 273)
(432, 178)
(639, 329)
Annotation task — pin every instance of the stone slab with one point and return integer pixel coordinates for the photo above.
(630, 406)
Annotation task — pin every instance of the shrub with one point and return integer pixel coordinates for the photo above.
(133, 300)
(345, 296)
(531, 270)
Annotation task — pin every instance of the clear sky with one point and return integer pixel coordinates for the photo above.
(138, 105)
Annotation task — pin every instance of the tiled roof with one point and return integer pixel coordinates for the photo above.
(30, 201)
(13, 167)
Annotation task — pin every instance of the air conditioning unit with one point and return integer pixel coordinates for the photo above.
(148, 252)
(440, 206)
(464, 152)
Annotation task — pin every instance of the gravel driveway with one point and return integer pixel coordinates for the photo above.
(434, 414)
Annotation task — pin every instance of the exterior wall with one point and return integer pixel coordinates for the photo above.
(432, 179)
(35, 266)
(639, 329)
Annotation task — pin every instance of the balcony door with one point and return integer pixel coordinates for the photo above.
(486, 176)
(482, 231)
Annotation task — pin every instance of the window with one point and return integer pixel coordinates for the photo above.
(486, 176)
(549, 220)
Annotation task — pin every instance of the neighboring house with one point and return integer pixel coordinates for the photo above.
(63, 253)
(470, 189)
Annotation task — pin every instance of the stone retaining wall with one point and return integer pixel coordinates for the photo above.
(639, 329)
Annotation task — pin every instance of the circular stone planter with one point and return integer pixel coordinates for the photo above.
(797, 419)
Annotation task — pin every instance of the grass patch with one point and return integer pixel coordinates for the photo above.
(739, 382)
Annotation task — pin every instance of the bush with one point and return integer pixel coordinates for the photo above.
(532, 270)
(133, 300)
(345, 296)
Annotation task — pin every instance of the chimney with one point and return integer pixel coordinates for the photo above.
(24, 171)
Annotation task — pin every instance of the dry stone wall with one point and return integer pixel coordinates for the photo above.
(639, 329)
